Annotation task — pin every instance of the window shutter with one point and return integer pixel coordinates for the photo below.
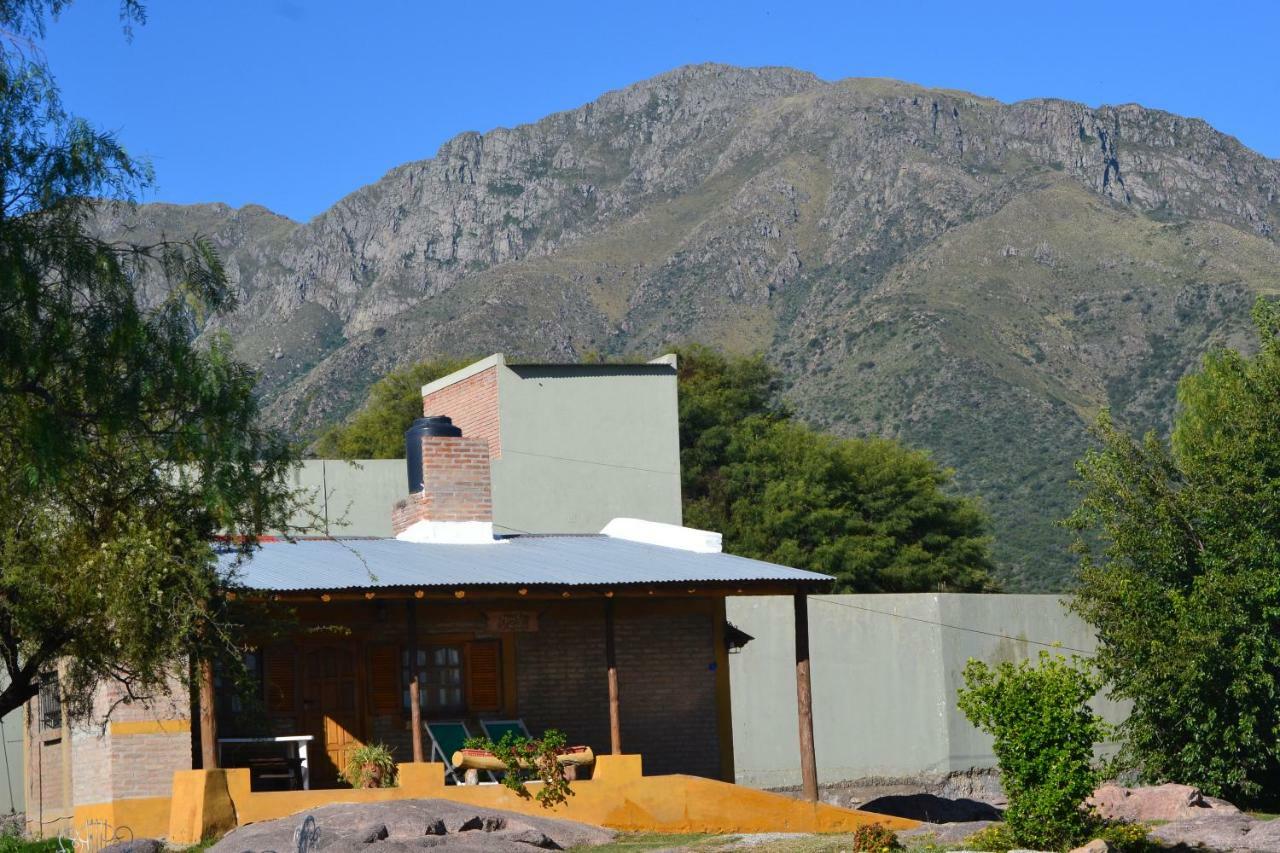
(484, 676)
(280, 675)
(384, 679)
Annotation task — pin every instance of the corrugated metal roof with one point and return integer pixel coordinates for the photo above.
(334, 564)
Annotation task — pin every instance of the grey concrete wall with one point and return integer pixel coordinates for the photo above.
(885, 671)
(584, 444)
(349, 498)
(11, 755)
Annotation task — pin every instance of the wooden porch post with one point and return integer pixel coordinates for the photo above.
(415, 709)
(208, 718)
(804, 700)
(611, 661)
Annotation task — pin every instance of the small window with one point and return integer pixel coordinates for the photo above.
(440, 683)
(50, 703)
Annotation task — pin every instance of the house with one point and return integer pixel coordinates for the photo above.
(520, 578)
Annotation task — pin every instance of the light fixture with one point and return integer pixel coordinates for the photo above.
(735, 638)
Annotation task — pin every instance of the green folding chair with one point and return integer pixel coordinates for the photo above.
(495, 729)
(447, 737)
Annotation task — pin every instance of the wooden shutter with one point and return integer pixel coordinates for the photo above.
(280, 674)
(484, 676)
(384, 679)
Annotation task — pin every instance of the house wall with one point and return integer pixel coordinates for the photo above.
(572, 446)
(666, 680)
(348, 498)
(582, 445)
(74, 771)
(555, 676)
(884, 683)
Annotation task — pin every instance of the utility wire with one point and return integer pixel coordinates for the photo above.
(506, 450)
(954, 627)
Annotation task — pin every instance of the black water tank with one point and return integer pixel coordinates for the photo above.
(434, 425)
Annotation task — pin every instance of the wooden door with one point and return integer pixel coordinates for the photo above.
(331, 709)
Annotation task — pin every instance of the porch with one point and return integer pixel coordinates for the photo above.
(344, 675)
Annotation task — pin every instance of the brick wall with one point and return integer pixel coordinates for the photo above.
(665, 682)
(667, 692)
(104, 758)
(473, 405)
(455, 477)
(46, 797)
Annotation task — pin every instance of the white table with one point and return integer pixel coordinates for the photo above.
(297, 745)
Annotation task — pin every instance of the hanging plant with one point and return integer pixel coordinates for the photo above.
(370, 766)
(527, 759)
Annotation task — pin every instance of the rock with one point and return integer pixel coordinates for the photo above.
(1215, 831)
(533, 838)
(409, 825)
(1097, 845)
(945, 833)
(482, 823)
(1264, 835)
(1160, 802)
(371, 833)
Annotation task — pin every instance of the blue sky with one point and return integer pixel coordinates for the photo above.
(293, 104)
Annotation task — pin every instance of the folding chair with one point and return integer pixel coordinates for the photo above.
(447, 737)
(495, 729)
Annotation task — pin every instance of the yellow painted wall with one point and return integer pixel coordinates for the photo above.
(141, 817)
(618, 796)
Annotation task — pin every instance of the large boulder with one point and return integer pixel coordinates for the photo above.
(403, 825)
(1159, 802)
(1214, 831)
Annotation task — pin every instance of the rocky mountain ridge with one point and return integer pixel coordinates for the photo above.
(973, 277)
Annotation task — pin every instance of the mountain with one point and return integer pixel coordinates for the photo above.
(973, 277)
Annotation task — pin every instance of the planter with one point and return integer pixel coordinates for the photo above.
(483, 759)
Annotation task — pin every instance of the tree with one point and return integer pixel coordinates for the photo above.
(873, 513)
(1180, 575)
(124, 448)
(377, 430)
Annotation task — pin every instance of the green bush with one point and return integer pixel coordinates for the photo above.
(1044, 735)
(1121, 837)
(370, 766)
(996, 838)
(875, 838)
(1125, 837)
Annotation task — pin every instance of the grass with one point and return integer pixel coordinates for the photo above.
(17, 844)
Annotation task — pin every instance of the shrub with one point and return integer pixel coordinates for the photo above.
(370, 766)
(875, 838)
(1044, 735)
(527, 759)
(1125, 837)
(994, 839)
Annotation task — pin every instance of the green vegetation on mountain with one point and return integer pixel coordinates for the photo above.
(1181, 576)
(124, 448)
(973, 278)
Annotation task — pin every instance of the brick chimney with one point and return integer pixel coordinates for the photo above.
(449, 496)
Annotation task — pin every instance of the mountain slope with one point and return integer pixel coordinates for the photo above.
(977, 278)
